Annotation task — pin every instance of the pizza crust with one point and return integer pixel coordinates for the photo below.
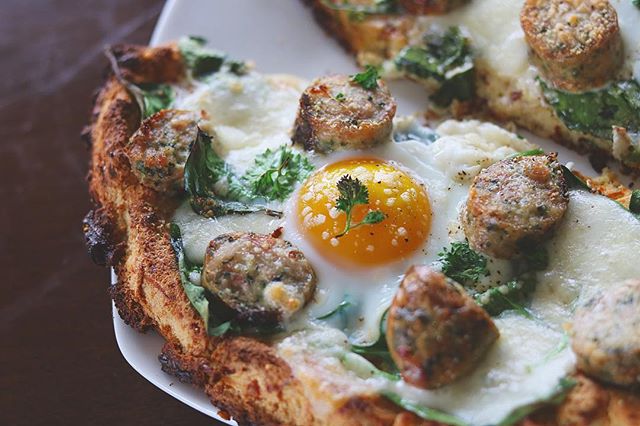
(128, 230)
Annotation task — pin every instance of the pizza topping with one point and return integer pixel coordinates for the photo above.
(601, 112)
(435, 331)
(260, 278)
(605, 335)
(352, 193)
(361, 118)
(158, 150)
(514, 204)
(576, 44)
(202, 61)
(443, 63)
(215, 189)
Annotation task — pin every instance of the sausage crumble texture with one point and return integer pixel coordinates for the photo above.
(435, 331)
(606, 335)
(158, 150)
(336, 113)
(514, 204)
(575, 43)
(261, 278)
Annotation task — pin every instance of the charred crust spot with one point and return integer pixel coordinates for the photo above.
(99, 235)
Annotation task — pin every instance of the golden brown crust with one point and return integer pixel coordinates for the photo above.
(430, 7)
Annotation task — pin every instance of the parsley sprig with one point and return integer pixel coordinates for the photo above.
(352, 193)
(463, 264)
(275, 173)
(368, 79)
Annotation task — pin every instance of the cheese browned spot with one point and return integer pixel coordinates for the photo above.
(337, 113)
(430, 7)
(436, 333)
(575, 43)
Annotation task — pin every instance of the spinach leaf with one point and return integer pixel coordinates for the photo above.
(195, 293)
(359, 11)
(199, 59)
(150, 97)
(208, 180)
(636, 3)
(530, 153)
(508, 296)
(573, 181)
(379, 351)
(597, 111)
(274, 174)
(445, 58)
(155, 98)
(634, 202)
(554, 398)
(338, 310)
(424, 412)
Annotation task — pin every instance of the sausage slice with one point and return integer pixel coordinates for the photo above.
(337, 113)
(436, 333)
(575, 43)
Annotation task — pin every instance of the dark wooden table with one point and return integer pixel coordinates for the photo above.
(59, 362)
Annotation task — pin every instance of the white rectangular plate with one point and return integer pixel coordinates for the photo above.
(280, 36)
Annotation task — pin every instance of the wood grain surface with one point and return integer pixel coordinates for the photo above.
(59, 362)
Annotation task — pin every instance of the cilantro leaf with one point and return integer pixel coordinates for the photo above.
(368, 79)
(463, 264)
(275, 173)
(352, 193)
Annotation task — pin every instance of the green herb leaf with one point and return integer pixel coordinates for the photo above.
(155, 98)
(195, 293)
(554, 398)
(573, 181)
(426, 413)
(379, 350)
(463, 264)
(340, 97)
(595, 112)
(340, 309)
(358, 11)
(508, 296)
(368, 79)
(199, 59)
(530, 153)
(352, 193)
(445, 58)
(275, 173)
(634, 202)
(636, 3)
(372, 217)
(205, 173)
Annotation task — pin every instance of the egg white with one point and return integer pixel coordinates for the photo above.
(588, 253)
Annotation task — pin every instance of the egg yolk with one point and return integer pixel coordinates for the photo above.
(403, 201)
